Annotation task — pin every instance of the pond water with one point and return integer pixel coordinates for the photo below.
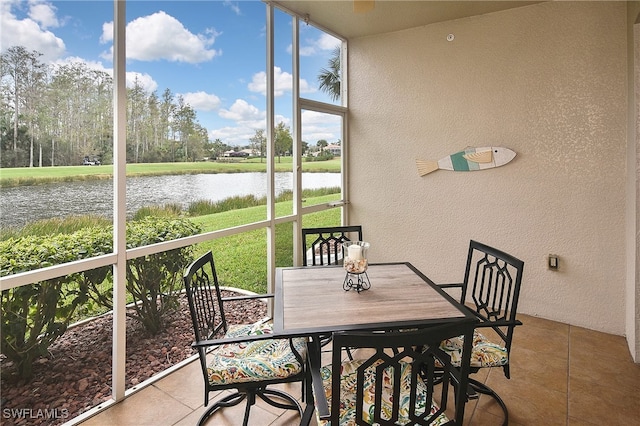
(20, 205)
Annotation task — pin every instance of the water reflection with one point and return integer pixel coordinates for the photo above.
(21, 205)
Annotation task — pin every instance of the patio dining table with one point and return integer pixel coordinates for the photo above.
(311, 301)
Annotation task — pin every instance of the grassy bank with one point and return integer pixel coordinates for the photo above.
(36, 175)
(240, 259)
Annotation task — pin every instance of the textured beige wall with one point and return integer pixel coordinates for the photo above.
(632, 294)
(548, 81)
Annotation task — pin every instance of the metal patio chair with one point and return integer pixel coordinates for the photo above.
(240, 357)
(396, 378)
(491, 289)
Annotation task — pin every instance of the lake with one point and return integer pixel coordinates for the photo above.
(20, 205)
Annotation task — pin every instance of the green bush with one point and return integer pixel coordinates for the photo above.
(323, 156)
(33, 316)
(155, 280)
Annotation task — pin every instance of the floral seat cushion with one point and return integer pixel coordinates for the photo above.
(254, 361)
(348, 394)
(485, 353)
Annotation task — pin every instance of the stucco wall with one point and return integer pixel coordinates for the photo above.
(632, 294)
(549, 82)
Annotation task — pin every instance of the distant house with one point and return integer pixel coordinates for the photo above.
(233, 153)
(334, 149)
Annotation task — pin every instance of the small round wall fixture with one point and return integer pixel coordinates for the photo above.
(450, 37)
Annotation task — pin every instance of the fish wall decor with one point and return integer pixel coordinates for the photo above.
(470, 159)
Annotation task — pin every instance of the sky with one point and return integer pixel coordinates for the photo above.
(212, 53)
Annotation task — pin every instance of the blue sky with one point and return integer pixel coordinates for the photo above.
(210, 52)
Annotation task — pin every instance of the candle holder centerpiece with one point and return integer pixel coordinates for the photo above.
(355, 263)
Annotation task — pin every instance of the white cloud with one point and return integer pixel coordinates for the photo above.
(90, 64)
(283, 82)
(317, 126)
(311, 47)
(44, 14)
(30, 32)
(202, 101)
(233, 6)
(328, 42)
(243, 112)
(161, 36)
(248, 118)
(148, 84)
(234, 136)
(107, 33)
(308, 50)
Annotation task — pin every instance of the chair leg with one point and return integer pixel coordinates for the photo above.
(266, 393)
(486, 390)
(251, 400)
(228, 401)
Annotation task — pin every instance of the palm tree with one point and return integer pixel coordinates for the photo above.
(329, 79)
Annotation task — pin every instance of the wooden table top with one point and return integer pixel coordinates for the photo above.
(311, 299)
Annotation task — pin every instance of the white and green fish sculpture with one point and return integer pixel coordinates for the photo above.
(468, 160)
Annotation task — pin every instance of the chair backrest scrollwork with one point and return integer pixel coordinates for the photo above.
(323, 246)
(492, 284)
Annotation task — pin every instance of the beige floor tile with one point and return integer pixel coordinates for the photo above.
(150, 406)
(602, 404)
(192, 419)
(580, 422)
(528, 366)
(600, 344)
(599, 372)
(526, 401)
(542, 339)
(537, 322)
(287, 419)
(484, 418)
(185, 385)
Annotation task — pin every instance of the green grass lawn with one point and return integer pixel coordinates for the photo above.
(241, 259)
(35, 175)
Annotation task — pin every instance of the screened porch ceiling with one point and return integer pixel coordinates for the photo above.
(388, 16)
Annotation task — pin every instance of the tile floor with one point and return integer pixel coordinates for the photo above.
(560, 375)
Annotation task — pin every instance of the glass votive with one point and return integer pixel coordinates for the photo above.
(355, 256)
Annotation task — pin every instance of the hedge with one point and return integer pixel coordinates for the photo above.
(34, 316)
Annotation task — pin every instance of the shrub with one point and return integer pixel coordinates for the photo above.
(33, 316)
(322, 156)
(155, 280)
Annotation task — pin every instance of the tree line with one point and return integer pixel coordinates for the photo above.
(59, 115)
(62, 114)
